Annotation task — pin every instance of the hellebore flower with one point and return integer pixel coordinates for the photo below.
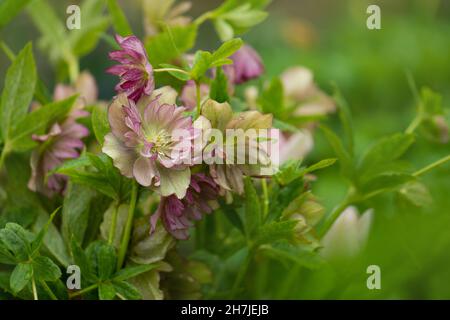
(177, 214)
(145, 138)
(247, 65)
(299, 88)
(226, 169)
(62, 142)
(134, 70)
(348, 234)
(295, 146)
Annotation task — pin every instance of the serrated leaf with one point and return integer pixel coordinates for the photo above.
(44, 269)
(276, 231)
(130, 272)
(126, 291)
(287, 253)
(106, 291)
(18, 91)
(20, 276)
(103, 257)
(14, 243)
(379, 156)
(81, 259)
(416, 193)
(252, 213)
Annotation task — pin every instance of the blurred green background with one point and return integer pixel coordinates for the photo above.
(411, 245)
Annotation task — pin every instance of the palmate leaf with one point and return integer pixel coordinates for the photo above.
(18, 91)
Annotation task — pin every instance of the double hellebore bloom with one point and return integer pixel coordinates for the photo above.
(144, 139)
(177, 214)
(134, 70)
(63, 141)
(247, 65)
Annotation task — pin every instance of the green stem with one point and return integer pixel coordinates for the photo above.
(112, 230)
(204, 17)
(128, 226)
(414, 124)
(197, 93)
(241, 274)
(170, 69)
(85, 290)
(432, 166)
(48, 290)
(33, 285)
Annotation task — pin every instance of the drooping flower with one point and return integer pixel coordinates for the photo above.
(145, 137)
(299, 88)
(295, 146)
(348, 234)
(189, 94)
(247, 65)
(134, 70)
(177, 215)
(62, 142)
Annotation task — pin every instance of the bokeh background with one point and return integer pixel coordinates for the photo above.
(411, 245)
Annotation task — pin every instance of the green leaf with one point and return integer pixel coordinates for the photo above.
(45, 269)
(227, 49)
(386, 182)
(9, 9)
(272, 99)
(219, 87)
(19, 87)
(378, 158)
(292, 170)
(103, 257)
(100, 123)
(75, 211)
(37, 242)
(252, 214)
(5, 255)
(232, 216)
(20, 276)
(14, 242)
(276, 231)
(224, 29)
(119, 20)
(416, 193)
(37, 121)
(134, 271)
(171, 43)
(202, 62)
(126, 291)
(287, 253)
(345, 159)
(106, 291)
(81, 259)
(345, 117)
(53, 240)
